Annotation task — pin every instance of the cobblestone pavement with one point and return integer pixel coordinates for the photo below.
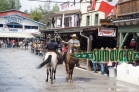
(18, 73)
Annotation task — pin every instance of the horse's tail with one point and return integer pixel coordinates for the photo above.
(45, 62)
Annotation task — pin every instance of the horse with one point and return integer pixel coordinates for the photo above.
(50, 60)
(70, 62)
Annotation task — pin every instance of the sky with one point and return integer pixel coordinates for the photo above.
(28, 5)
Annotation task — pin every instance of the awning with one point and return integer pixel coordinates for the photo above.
(16, 35)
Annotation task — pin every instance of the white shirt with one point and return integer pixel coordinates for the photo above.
(75, 42)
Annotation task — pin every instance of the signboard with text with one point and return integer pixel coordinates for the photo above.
(106, 55)
(70, 5)
(107, 32)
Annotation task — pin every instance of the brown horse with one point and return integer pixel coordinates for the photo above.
(70, 62)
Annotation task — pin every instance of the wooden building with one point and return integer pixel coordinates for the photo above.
(127, 21)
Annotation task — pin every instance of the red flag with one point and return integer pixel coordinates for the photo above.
(107, 5)
(93, 5)
(113, 12)
(7, 27)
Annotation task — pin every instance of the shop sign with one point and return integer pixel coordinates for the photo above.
(106, 55)
(13, 29)
(13, 19)
(107, 32)
(65, 6)
(83, 55)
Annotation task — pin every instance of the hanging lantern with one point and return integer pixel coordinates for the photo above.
(133, 43)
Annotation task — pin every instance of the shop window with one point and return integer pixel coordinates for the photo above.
(28, 27)
(17, 26)
(87, 20)
(96, 19)
(10, 26)
(35, 27)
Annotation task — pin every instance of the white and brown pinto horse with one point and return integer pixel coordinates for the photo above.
(50, 60)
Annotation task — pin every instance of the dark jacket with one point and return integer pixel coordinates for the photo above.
(52, 45)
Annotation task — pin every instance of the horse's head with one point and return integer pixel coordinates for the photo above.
(72, 49)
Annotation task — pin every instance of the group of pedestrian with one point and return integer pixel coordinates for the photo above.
(103, 65)
(7, 43)
(37, 47)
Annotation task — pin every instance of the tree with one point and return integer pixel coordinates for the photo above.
(26, 11)
(55, 8)
(36, 14)
(3, 5)
(40, 14)
(9, 4)
(17, 4)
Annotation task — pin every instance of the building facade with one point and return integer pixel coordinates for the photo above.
(15, 22)
(90, 17)
(128, 23)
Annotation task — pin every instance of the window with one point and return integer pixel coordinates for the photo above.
(96, 19)
(35, 27)
(88, 20)
(28, 27)
(17, 26)
(66, 22)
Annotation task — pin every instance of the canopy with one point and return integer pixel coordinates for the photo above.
(16, 35)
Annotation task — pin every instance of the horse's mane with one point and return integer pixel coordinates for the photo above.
(71, 47)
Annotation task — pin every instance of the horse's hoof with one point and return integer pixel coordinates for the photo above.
(50, 77)
(46, 80)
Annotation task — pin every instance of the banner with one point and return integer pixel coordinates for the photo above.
(107, 32)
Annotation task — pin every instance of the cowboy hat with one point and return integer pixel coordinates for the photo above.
(73, 35)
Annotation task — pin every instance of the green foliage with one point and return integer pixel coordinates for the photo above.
(9, 4)
(36, 14)
(55, 8)
(26, 11)
(40, 13)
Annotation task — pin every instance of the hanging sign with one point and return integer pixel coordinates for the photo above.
(107, 32)
(106, 55)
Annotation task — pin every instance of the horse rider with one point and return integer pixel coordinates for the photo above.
(52, 46)
(76, 44)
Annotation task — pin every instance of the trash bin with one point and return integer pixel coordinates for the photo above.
(112, 72)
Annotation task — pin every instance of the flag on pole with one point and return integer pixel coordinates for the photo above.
(93, 5)
(7, 27)
(107, 5)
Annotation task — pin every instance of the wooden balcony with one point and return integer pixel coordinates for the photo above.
(128, 7)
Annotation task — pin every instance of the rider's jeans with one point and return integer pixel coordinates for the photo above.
(102, 68)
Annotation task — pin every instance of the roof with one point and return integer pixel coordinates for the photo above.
(41, 24)
(67, 30)
(13, 10)
(67, 12)
(16, 35)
